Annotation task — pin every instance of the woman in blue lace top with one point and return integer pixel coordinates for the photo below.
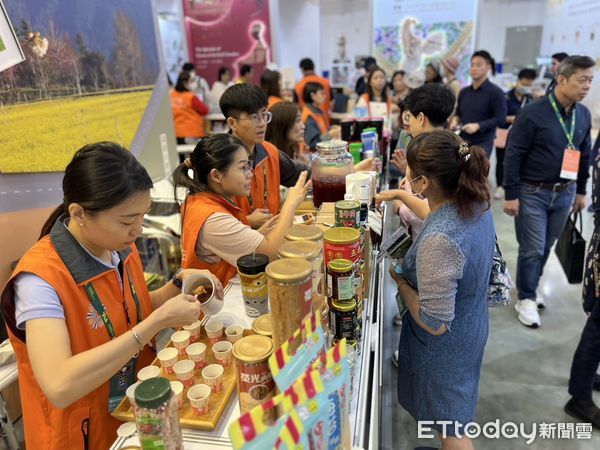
(444, 282)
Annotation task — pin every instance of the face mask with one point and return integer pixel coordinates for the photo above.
(524, 90)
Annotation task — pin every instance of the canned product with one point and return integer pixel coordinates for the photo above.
(342, 243)
(342, 320)
(305, 232)
(347, 214)
(262, 325)
(254, 381)
(340, 280)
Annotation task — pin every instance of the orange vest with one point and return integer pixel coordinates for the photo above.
(65, 265)
(323, 82)
(318, 118)
(196, 209)
(188, 123)
(367, 100)
(266, 170)
(273, 101)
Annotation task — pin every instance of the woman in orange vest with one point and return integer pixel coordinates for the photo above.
(313, 117)
(188, 110)
(286, 131)
(377, 92)
(270, 82)
(215, 231)
(77, 309)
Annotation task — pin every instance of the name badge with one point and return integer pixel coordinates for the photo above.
(570, 164)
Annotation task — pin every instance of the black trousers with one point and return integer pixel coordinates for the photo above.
(500, 166)
(585, 361)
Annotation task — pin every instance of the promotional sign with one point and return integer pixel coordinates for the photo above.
(229, 33)
(408, 34)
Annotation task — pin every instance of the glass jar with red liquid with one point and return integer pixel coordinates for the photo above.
(329, 171)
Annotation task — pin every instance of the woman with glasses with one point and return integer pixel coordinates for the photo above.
(215, 231)
(245, 107)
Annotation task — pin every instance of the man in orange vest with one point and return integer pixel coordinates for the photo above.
(245, 108)
(308, 71)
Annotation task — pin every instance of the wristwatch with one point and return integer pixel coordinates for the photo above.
(176, 280)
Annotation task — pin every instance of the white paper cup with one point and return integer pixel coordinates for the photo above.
(213, 376)
(181, 339)
(184, 371)
(168, 357)
(234, 333)
(197, 353)
(222, 352)
(130, 393)
(177, 388)
(194, 330)
(148, 372)
(214, 331)
(211, 306)
(199, 397)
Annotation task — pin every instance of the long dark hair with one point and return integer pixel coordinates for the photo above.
(283, 120)
(183, 78)
(384, 96)
(214, 152)
(269, 82)
(460, 171)
(99, 177)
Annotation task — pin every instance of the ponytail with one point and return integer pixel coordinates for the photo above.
(473, 191)
(99, 177)
(214, 152)
(459, 170)
(50, 221)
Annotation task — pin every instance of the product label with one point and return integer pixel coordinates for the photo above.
(255, 384)
(345, 288)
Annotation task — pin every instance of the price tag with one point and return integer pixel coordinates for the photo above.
(570, 164)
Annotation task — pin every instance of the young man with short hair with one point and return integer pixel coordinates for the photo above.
(245, 74)
(545, 175)
(557, 58)
(245, 108)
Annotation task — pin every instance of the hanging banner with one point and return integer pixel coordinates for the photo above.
(228, 33)
(408, 34)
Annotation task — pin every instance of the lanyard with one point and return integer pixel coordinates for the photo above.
(266, 191)
(568, 133)
(97, 304)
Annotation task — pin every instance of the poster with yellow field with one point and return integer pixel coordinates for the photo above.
(88, 76)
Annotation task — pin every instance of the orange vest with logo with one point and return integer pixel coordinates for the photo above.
(326, 86)
(318, 118)
(273, 101)
(265, 181)
(188, 123)
(65, 265)
(367, 100)
(196, 209)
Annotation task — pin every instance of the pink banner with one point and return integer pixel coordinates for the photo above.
(228, 33)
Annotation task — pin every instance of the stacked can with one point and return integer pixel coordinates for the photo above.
(347, 214)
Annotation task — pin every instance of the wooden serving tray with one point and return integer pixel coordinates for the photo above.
(187, 418)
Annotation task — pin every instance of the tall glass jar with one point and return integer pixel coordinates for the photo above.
(329, 171)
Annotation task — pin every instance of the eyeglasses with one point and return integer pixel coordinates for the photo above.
(258, 118)
(414, 179)
(247, 169)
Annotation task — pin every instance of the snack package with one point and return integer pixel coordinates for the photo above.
(255, 431)
(309, 398)
(287, 367)
(335, 373)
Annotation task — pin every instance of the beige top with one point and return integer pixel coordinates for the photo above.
(225, 237)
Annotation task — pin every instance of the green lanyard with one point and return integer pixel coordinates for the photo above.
(568, 133)
(97, 304)
(266, 191)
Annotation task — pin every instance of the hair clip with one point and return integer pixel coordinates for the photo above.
(464, 151)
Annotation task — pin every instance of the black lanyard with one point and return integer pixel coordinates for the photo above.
(97, 304)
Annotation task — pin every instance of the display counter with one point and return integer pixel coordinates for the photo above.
(366, 376)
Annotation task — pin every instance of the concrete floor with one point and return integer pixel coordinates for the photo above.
(525, 371)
